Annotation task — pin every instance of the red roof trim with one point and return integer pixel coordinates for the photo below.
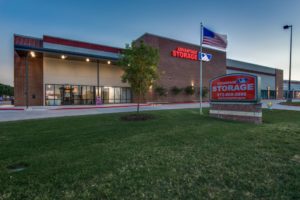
(86, 45)
(27, 41)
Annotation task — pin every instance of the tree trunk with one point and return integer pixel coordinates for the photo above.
(138, 105)
(139, 99)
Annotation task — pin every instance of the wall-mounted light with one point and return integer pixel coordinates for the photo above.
(63, 57)
(32, 53)
(87, 60)
(108, 62)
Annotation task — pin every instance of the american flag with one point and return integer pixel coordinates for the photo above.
(214, 39)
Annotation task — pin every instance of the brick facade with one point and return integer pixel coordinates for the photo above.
(173, 71)
(35, 83)
(180, 72)
(279, 84)
(244, 112)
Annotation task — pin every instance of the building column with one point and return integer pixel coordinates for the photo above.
(98, 78)
(26, 81)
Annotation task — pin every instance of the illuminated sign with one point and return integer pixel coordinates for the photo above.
(235, 87)
(180, 52)
(190, 54)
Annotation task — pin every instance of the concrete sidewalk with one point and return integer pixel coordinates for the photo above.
(49, 112)
(44, 112)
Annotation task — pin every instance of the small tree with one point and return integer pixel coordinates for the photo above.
(204, 92)
(6, 90)
(139, 62)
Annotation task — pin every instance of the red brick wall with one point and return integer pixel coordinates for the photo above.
(35, 74)
(279, 83)
(182, 72)
(232, 108)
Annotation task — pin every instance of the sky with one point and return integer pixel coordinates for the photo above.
(254, 27)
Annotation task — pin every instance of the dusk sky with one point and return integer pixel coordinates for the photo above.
(254, 28)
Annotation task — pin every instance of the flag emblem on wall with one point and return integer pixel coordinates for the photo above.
(204, 56)
(214, 39)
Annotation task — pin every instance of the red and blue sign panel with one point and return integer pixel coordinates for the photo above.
(190, 54)
(235, 88)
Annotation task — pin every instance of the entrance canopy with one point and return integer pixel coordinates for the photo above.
(49, 81)
(65, 49)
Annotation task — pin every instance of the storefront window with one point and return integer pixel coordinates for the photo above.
(105, 95)
(129, 96)
(49, 90)
(84, 95)
(77, 94)
(117, 95)
(111, 95)
(90, 95)
(58, 94)
(98, 91)
(123, 95)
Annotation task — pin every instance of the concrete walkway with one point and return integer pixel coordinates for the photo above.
(10, 113)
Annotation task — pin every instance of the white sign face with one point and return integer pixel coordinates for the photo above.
(205, 57)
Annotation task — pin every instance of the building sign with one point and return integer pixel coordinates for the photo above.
(235, 87)
(190, 54)
(185, 53)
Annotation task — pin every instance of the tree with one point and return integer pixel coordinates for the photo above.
(6, 90)
(139, 62)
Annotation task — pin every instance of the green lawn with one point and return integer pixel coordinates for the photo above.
(178, 155)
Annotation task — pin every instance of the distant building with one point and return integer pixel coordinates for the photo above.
(271, 78)
(295, 89)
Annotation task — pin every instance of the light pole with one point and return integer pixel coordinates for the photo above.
(289, 98)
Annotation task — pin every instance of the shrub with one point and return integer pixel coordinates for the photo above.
(204, 92)
(189, 90)
(175, 90)
(161, 91)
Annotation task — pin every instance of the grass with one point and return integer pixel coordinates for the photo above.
(297, 103)
(177, 155)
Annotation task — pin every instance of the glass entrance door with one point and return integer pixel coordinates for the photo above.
(68, 97)
(105, 95)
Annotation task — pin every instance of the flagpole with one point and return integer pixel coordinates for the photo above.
(200, 80)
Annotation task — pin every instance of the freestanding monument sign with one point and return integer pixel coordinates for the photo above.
(236, 97)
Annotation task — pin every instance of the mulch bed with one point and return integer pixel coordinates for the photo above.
(137, 117)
